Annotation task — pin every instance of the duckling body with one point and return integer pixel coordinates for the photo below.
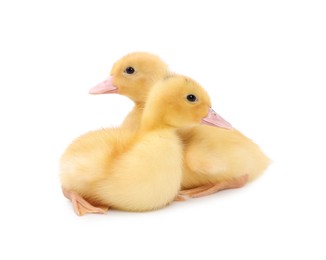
(214, 158)
(229, 155)
(109, 167)
(134, 170)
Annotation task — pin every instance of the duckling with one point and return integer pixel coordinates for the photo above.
(216, 158)
(122, 169)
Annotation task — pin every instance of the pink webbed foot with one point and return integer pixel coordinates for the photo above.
(81, 206)
(209, 189)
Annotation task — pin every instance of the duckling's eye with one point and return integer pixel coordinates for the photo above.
(130, 70)
(191, 98)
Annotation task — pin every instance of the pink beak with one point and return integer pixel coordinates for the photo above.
(213, 119)
(106, 87)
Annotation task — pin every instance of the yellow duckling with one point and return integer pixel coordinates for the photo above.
(216, 158)
(135, 170)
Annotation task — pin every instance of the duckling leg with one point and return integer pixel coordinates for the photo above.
(213, 188)
(81, 206)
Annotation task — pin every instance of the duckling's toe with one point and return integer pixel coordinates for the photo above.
(191, 192)
(81, 206)
(209, 189)
(180, 198)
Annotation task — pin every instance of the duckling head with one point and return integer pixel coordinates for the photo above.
(133, 76)
(176, 101)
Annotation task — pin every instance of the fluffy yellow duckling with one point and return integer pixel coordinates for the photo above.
(135, 170)
(216, 158)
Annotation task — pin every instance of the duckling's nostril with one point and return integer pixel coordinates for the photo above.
(212, 112)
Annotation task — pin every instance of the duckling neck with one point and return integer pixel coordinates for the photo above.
(154, 118)
(139, 106)
(148, 124)
(132, 120)
(144, 128)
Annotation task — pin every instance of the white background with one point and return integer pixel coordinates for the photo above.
(264, 65)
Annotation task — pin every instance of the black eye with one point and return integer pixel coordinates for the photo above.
(192, 98)
(130, 70)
